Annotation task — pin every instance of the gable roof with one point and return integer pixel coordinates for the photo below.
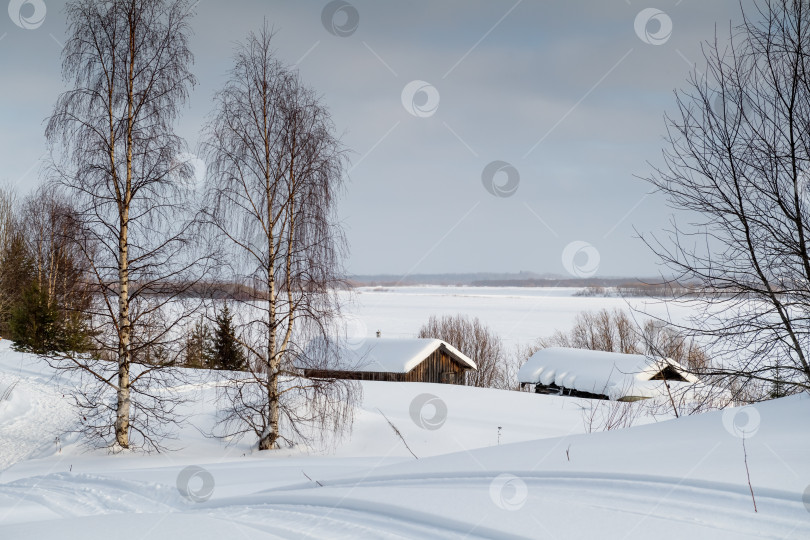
(389, 355)
(613, 374)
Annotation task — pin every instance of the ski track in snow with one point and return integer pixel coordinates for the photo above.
(70, 495)
(724, 512)
(367, 509)
(316, 522)
(35, 414)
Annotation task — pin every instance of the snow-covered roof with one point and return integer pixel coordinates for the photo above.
(389, 355)
(613, 374)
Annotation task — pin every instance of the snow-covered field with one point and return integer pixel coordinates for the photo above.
(519, 315)
(491, 464)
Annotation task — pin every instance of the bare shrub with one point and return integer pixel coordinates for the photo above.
(607, 415)
(482, 345)
(664, 341)
(593, 290)
(611, 331)
(616, 331)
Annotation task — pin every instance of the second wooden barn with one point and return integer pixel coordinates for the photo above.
(397, 360)
(602, 375)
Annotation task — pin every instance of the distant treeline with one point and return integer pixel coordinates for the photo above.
(598, 285)
(591, 286)
(469, 279)
(656, 290)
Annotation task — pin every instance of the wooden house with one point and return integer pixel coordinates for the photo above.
(397, 360)
(601, 375)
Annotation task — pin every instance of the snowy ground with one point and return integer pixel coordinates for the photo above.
(519, 315)
(538, 476)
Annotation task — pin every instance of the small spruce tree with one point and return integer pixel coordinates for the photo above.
(16, 274)
(34, 322)
(226, 351)
(199, 346)
(37, 324)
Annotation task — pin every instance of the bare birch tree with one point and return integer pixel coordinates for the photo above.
(49, 226)
(738, 159)
(127, 63)
(275, 170)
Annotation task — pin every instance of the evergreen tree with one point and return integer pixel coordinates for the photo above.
(38, 324)
(226, 351)
(74, 331)
(16, 274)
(199, 346)
(34, 322)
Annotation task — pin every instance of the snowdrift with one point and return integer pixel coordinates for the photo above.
(491, 464)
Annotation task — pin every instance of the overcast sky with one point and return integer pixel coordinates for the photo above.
(566, 96)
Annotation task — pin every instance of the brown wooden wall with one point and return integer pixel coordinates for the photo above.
(439, 367)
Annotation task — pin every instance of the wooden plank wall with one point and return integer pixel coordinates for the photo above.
(434, 368)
